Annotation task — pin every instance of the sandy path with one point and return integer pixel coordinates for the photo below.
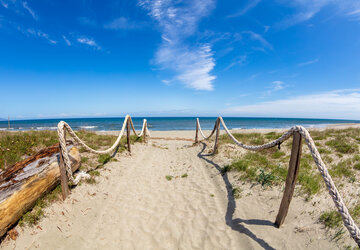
(134, 207)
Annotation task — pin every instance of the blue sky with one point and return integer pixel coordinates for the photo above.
(178, 58)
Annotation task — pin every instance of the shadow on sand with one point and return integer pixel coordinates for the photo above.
(236, 224)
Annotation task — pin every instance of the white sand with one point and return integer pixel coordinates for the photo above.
(134, 207)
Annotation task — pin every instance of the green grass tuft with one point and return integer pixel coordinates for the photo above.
(342, 146)
(103, 159)
(236, 192)
(265, 179)
(331, 219)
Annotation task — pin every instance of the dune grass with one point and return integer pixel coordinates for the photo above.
(15, 146)
(338, 148)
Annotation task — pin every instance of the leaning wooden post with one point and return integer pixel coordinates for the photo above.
(63, 177)
(144, 134)
(197, 131)
(293, 171)
(217, 135)
(128, 135)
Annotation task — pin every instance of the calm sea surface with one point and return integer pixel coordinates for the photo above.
(169, 123)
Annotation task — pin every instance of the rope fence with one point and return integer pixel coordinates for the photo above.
(298, 132)
(66, 173)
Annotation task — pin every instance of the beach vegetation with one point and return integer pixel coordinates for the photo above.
(277, 154)
(94, 173)
(265, 179)
(342, 146)
(104, 158)
(91, 180)
(334, 145)
(331, 219)
(184, 175)
(15, 146)
(272, 135)
(169, 177)
(342, 169)
(84, 159)
(236, 192)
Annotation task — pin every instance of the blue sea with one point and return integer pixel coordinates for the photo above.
(168, 123)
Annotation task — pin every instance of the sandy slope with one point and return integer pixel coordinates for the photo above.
(134, 207)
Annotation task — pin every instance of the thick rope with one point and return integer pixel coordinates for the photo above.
(202, 133)
(334, 193)
(63, 126)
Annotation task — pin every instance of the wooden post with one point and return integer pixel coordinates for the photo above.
(128, 135)
(293, 171)
(63, 177)
(217, 135)
(197, 131)
(144, 135)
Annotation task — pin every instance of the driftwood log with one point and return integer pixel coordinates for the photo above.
(26, 181)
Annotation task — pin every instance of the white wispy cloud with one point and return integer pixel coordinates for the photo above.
(240, 60)
(354, 15)
(250, 5)
(32, 13)
(4, 4)
(192, 63)
(88, 41)
(308, 62)
(19, 7)
(277, 85)
(122, 23)
(257, 37)
(342, 104)
(36, 33)
(307, 9)
(67, 41)
(274, 87)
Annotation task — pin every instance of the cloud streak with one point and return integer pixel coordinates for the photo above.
(308, 62)
(341, 104)
(19, 7)
(307, 9)
(191, 63)
(252, 4)
(88, 41)
(36, 33)
(32, 13)
(122, 23)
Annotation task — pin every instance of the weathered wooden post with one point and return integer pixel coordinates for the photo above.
(144, 134)
(217, 135)
(63, 177)
(293, 171)
(197, 131)
(128, 135)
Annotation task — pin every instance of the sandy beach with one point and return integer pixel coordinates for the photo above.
(133, 206)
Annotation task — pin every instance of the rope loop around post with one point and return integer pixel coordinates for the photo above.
(334, 193)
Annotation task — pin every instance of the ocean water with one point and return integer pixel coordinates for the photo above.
(168, 123)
